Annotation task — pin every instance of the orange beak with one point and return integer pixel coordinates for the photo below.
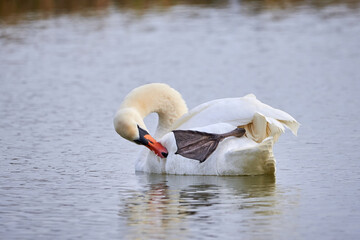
(149, 142)
(155, 146)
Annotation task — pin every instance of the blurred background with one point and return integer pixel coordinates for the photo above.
(65, 67)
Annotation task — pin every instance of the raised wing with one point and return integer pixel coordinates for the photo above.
(244, 112)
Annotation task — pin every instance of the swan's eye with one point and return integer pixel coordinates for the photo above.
(142, 139)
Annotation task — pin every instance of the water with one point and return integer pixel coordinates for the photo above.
(65, 67)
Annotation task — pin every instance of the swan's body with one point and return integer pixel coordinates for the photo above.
(250, 154)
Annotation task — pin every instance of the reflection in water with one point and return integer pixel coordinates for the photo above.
(154, 212)
(14, 10)
(171, 204)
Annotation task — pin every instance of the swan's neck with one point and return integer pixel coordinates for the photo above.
(158, 98)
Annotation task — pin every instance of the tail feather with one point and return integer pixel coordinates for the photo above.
(262, 127)
(276, 118)
(293, 125)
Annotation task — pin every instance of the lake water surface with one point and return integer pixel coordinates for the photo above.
(65, 66)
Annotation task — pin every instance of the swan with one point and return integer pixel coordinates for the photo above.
(231, 136)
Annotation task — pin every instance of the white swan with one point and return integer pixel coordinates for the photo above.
(202, 151)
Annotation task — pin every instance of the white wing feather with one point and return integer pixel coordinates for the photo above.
(240, 112)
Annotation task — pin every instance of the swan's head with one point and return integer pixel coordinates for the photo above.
(130, 125)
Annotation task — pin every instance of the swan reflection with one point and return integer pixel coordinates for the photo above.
(170, 204)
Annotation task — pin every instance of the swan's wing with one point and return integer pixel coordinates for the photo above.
(190, 115)
(275, 117)
(239, 112)
(228, 110)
